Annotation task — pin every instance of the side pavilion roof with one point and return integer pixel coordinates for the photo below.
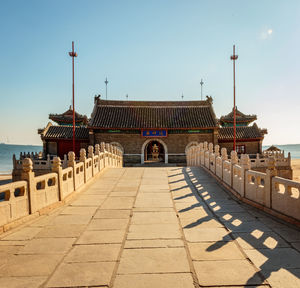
(240, 117)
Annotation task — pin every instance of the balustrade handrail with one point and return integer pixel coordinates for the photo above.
(65, 181)
(260, 189)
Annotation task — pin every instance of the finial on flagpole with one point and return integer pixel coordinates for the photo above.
(201, 83)
(106, 82)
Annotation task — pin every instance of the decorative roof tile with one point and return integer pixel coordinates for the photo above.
(153, 114)
(242, 132)
(240, 117)
(66, 132)
(67, 117)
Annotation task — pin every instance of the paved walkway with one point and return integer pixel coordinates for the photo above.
(152, 227)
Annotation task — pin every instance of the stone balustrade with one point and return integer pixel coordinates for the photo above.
(277, 196)
(280, 160)
(36, 194)
(38, 163)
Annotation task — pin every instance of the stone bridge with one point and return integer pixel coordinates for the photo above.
(167, 227)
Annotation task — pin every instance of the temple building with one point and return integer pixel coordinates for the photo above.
(58, 139)
(136, 126)
(151, 131)
(248, 138)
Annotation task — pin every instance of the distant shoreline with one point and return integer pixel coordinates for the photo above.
(5, 178)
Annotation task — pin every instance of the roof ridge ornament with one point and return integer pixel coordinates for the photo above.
(209, 99)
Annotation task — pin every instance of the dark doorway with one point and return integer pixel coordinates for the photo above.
(154, 152)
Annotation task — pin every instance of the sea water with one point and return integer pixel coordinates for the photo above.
(6, 155)
(7, 151)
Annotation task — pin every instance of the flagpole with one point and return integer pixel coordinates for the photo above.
(73, 54)
(234, 57)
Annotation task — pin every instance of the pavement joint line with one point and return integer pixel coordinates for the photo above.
(75, 242)
(122, 248)
(194, 188)
(189, 258)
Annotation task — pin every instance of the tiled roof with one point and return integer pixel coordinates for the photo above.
(67, 117)
(240, 117)
(66, 132)
(245, 132)
(153, 114)
(273, 148)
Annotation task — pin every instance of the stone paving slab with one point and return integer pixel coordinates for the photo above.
(233, 272)
(89, 200)
(48, 246)
(61, 231)
(153, 202)
(125, 231)
(283, 278)
(22, 282)
(108, 224)
(259, 240)
(153, 209)
(215, 251)
(157, 260)
(118, 203)
(27, 233)
(188, 223)
(154, 231)
(231, 216)
(154, 243)
(207, 234)
(86, 210)
(101, 237)
(82, 274)
(112, 214)
(154, 217)
(94, 253)
(178, 280)
(71, 219)
(30, 265)
(274, 259)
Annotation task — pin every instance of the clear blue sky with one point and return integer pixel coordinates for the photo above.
(151, 50)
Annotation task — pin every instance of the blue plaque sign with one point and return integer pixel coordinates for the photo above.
(154, 133)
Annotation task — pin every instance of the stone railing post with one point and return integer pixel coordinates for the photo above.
(198, 155)
(224, 157)
(65, 162)
(187, 155)
(97, 152)
(28, 175)
(217, 150)
(270, 173)
(48, 162)
(224, 154)
(56, 167)
(91, 155)
(201, 147)
(102, 149)
(72, 163)
(246, 165)
(83, 159)
(205, 146)
(121, 158)
(113, 154)
(234, 159)
(107, 148)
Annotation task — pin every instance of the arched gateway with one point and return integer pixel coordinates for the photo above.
(154, 150)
